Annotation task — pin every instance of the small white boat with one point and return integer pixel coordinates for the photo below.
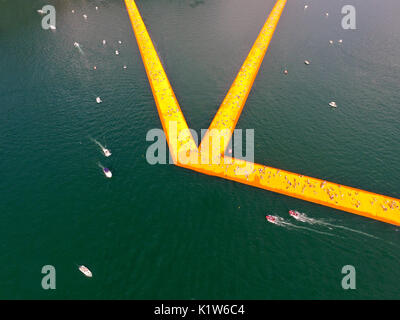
(73, 11)
(104, 41)
(294, 214)
(306, 62)
(327, 14)
(306, 6)
(272, 219)
(97, 8)
(85, 271)
(340, 41)
(40, 11)
(106, 152)
(116, 52)
(107, 172)
(98, 100)
(76, 44)
(124, 66)
(333, 104)
(119, 41)
(52, 27)
(85, 16)
(330, 41)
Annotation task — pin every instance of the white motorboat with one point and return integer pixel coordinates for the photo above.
(107, 172)
(106, 152)
(271, 219)
(85, 271)
(333, 104)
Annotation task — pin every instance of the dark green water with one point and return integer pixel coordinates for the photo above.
(162, 232)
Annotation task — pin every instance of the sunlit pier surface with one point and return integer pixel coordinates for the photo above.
(186, 154)
(229, 112)
(299, 186)
(170, 113)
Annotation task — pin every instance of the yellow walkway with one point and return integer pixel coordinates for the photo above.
(186, 154)
(172, 119)
(229, 112)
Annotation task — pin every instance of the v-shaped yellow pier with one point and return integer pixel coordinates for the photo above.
(209, 158)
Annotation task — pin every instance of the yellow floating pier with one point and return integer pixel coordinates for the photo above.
(172, 119)
(229, 112)
(186, 154)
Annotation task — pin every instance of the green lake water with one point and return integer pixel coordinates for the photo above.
(163, 232)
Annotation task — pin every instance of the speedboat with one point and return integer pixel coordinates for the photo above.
(107, 172)
(124, 66)
(330, 41)
(340, 41)
(306, 62)
(52, 27)
(106, 152)
(119, 41)
(333, 104)
(104, 41)
(271, 219)
(327, 14)
(85, 16)
(85, 271)
(294, 214)
(306, 6)
(40, 11)
(116, 52)
(76, 44)
(98, 100)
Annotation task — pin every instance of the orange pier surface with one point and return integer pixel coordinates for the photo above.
(210, 157)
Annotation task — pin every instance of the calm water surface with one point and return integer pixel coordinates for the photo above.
(162, 232)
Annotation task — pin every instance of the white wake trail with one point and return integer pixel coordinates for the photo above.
(98, 143)
(304, 218)
(283, 223)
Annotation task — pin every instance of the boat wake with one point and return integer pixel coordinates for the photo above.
(100, 165)
(105, 151)
(77, 45)
(299, 216)
(98, 143)
(283, 223)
